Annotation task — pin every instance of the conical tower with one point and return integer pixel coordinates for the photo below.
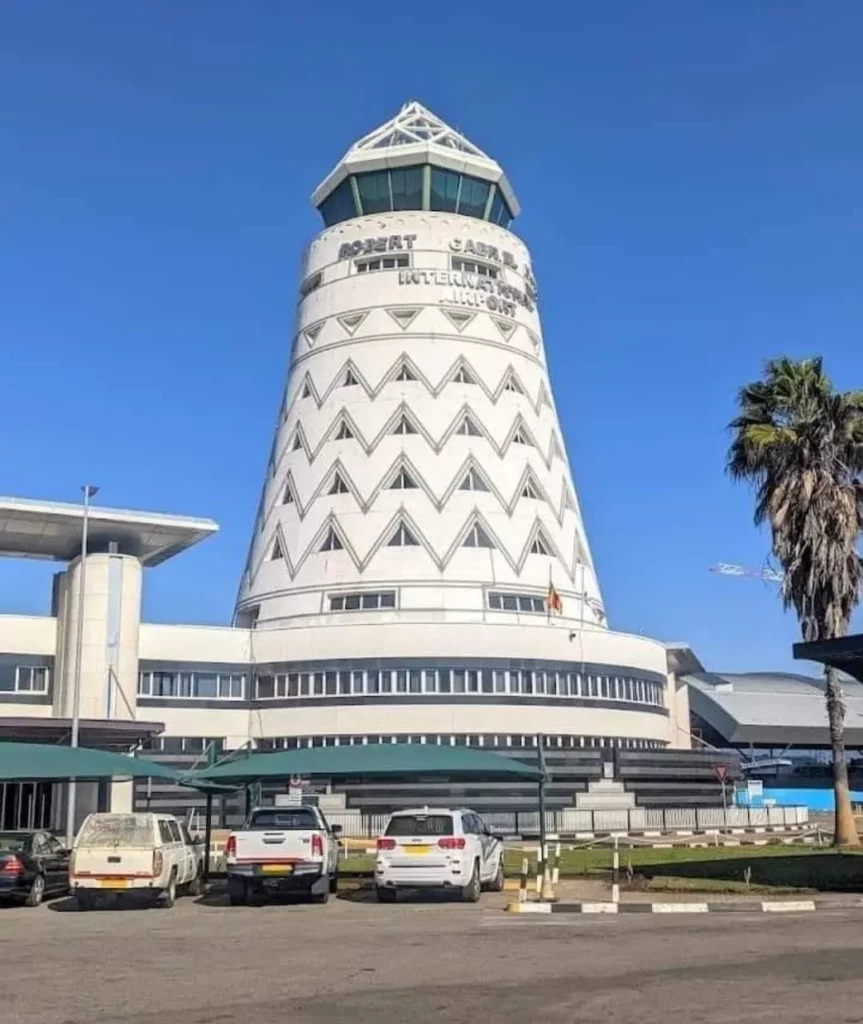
(418, 469)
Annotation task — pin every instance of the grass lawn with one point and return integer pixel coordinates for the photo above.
(793, 867)
(720, 869)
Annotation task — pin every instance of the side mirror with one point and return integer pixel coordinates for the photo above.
(336, 830)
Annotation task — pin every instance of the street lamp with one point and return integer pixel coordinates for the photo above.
(88, 491)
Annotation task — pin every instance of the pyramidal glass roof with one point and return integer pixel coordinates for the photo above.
(415, 123)
(416, 136)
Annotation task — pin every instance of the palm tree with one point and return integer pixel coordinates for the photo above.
(800, 442)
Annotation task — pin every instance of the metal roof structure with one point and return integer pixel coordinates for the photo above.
(52, 530)
(371, 759)
(771, 708)
(416, 136)
(32, 761)
(845, 653)
(102, 733)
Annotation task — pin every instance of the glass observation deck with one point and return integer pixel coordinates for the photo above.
(423, 187)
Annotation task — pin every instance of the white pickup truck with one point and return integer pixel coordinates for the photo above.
(282, 850)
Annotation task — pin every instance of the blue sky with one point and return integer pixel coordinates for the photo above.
(690, 181)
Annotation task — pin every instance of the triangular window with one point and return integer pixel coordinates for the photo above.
(338, 485)
(472, 482)
(288, 499)
(349, 380)
(512, 384)
(463, 377)
(458, 318)
(540, 545)
(404, 317)
(468, 428)
(521, 436)
(402, 538)
(404, 426)
(477, 538)
(298, 443)
(307, 391)
(344, 433)
(276, 553)
(530, 490)
(556, 450)
(331, 542)
(403, 482)
(404, 373)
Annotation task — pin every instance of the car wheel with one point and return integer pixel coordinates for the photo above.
(37, 891)
(238, 895)
(496, 884)
(386, 895)
(195, 887)
(471, 892)
(169, 896)
(85, 900)
(321, 897)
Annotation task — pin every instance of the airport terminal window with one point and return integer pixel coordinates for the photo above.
(444, 190)
(410, 679)
(473, 197)
(474, 267)
(516, 602)
(196, 685)
(339, 205)
(407, 188)
(364, 601)
(500, 212)
(31, 679)
(310, 284)
(382, 263)
(374, 190)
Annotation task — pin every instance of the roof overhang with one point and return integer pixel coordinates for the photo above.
(101, 734)
(845, 653)
(52, 530)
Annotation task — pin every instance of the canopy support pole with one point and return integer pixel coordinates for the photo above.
(208, 836)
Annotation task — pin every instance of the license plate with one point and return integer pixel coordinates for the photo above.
(277, 869)
(114, 883)
(417, 849)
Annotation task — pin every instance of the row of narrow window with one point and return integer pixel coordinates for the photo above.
(462, 376)
(403, 481)
(476, 537)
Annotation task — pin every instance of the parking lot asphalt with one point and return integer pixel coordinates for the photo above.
(356, 961)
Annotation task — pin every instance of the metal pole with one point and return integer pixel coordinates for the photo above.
(615, 872)
(89, 491)
(208, 836)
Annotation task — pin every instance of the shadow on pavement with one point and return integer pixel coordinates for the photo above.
(827, 870)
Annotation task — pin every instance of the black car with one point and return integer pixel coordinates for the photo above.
(32, 865)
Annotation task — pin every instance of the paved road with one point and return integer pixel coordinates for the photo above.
(355, 962)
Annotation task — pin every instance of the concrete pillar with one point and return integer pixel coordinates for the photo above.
(109, 652)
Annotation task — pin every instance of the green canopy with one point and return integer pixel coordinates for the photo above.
(372, 759)
(32, 761)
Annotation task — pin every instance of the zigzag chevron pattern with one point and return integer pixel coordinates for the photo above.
(403, 422)
(322, 542)
(460, 372)
(403, 467)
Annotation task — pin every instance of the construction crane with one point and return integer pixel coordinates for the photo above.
(765, 573)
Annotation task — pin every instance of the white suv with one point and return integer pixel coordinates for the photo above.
(437, 848)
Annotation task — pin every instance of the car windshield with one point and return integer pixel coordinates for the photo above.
(12, 843)
(420, 825)
(131, 830)
(288, 819)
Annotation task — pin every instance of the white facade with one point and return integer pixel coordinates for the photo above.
(417, 517)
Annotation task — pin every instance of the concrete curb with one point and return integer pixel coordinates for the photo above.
(719, 907)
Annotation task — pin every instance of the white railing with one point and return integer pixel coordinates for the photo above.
(570, 821)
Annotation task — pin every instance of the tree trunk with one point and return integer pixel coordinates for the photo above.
(845, 831)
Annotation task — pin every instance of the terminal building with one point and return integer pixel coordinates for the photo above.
(419, 570)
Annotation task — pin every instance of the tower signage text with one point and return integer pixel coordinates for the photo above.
(383, 243)
(464, 289)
